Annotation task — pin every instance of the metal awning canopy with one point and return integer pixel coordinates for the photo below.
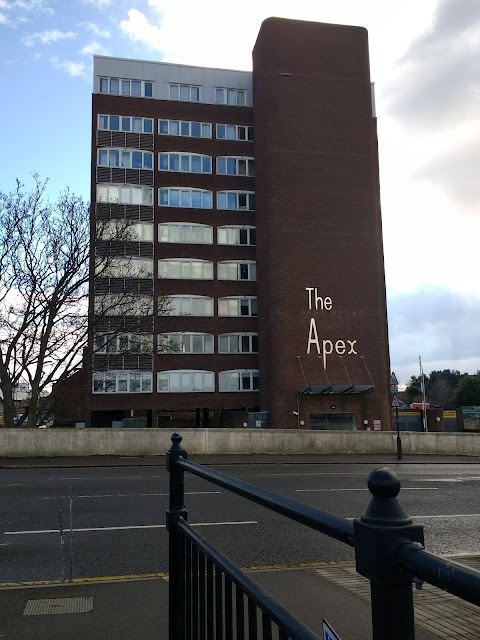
(338, 389)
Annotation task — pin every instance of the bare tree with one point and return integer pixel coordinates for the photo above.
(44, 270)
(44, 279)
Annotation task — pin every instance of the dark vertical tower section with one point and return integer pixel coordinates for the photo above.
(321, 288)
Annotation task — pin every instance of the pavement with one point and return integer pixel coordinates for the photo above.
(126, 609)
(213, 460)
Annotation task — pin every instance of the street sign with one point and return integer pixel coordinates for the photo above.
(393, 379)
(393, 388)
(328, 632)
(395, 401)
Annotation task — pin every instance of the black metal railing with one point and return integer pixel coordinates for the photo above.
(210, 598)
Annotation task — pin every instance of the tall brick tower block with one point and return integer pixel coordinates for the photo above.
(323, 343)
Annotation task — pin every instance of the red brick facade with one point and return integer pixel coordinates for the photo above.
(318, 226)
(318, 221)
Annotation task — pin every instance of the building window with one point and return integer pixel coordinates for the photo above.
(124, 194)
(236, 235)
(123, 343)
(238, 343)
(234, 132)
(235, 97)
(187, 198)
(180, 381)
(185, 163)
(234, 307)
(235, 166)
(185, 128)
(190, 306)
(185, 343)
(236, 200)
(177, 232)
(109, 267)
(185, 269)
(122, 382)
(123, 230)
(117, 304)
(125, 159)
(127, 124)
(238, 380)
(121, 87)
(237, 270)
(185, 92)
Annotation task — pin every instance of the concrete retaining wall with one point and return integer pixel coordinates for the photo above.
(35, 443)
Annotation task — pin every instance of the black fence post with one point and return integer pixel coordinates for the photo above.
(176, 543)
(379, 533)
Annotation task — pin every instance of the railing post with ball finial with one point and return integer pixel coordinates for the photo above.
(176, 542)
(379, 534)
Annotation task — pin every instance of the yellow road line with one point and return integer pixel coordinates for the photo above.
(46, 583)
(134, 576)
(164, 576)
(298, 565)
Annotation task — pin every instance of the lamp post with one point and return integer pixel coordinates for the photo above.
(396, 403)
(399, 440)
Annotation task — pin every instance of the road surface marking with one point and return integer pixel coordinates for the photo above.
(458, 479)
(144, 477)
(139, 526)
(402, 489)
(452, 515)
(130, 495)
(313, 473)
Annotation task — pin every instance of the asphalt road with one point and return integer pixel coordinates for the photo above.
(118, 515)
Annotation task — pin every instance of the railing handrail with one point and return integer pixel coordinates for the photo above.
(447, 575)
(389, 548)
(267, 604)
(327, 523)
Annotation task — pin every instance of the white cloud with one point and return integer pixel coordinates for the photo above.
(25, 5)
(47, 37)
(75, 69)
(211, 37)
(438, 324)
(456, 170)
(16, 6)
(94, 28)
(437, 84)
(93, 48)
(201, 39)
(137, 27)
(100, 4)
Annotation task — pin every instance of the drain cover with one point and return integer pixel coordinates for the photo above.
(58, 605)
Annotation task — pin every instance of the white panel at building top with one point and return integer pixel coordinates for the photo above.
(162, 74)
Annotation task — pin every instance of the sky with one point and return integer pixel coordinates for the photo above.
(424, 59)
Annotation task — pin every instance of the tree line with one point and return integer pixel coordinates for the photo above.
(448, 388)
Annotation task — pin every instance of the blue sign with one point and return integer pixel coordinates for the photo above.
(328, 632)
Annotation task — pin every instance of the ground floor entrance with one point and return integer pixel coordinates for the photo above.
(333, 421)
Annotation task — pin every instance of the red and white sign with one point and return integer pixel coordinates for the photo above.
(377, 425)
(395, 401)
(393, 384)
